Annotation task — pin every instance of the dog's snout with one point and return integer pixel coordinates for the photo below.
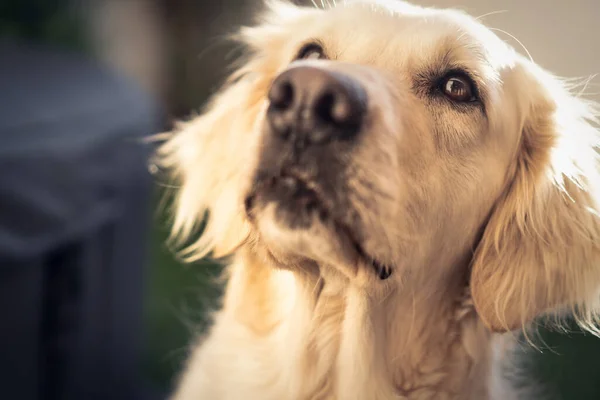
(316, 106)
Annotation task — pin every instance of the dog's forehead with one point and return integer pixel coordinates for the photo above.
(397, 32)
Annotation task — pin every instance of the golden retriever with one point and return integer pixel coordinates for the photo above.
(396, 188)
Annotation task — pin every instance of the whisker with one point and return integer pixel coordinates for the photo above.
(585, 83)
(167, 185)
(490, 13)
(516, 40)
(316, 288)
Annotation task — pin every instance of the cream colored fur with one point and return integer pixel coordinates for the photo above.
(488, 218)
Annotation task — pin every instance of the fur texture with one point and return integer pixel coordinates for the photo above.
(486, 213)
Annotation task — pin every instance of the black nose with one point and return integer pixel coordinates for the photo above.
(315, 106)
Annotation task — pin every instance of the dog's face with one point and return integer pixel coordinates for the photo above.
(382, 155)
(376, 140)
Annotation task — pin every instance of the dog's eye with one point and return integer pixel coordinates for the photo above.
(311, 51)
(459, 88)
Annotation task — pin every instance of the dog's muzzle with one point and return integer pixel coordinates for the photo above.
(314, 122)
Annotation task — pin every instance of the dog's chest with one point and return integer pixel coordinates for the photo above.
(434, 377)
(350, 362)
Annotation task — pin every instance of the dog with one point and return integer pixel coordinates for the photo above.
(397, 193)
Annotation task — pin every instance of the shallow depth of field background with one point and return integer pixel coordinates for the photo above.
(173, 49)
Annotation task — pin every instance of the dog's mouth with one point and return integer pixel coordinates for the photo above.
(301, 202)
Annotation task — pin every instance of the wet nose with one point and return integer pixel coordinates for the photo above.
(316, 106)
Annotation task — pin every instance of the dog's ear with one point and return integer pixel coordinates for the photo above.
(540, 251)
(211, 156)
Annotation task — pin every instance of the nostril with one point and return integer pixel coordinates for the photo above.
(281, 95)
(337, 108)
(324, 108)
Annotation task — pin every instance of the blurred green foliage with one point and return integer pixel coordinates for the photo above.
(179, 298)
(567, 364)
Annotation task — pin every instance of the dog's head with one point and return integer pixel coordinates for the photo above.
(377, 140)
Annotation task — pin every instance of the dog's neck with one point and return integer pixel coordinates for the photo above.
(410, 342)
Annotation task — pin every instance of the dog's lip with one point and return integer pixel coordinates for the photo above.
(382, 270)
(310, 184)
(325, 208)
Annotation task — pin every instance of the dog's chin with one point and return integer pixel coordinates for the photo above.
(298, 223)
(315, 239)
(298, 226)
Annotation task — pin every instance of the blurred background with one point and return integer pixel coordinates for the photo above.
(93, 304)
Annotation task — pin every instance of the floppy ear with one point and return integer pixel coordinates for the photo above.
(211, 156)
(540, 251)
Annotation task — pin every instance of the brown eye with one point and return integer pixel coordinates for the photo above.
(311, 51)
(458, 88)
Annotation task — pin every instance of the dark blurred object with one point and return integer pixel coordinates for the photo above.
(42, 21)
(74, 212)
